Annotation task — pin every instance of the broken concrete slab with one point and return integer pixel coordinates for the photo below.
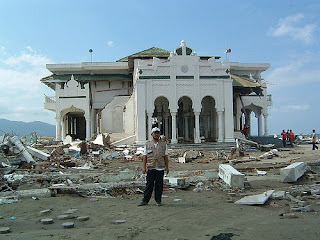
(40, 193)
(231, 176)
(16, 141)
(258, 199)
(292, 172)
(37, 153)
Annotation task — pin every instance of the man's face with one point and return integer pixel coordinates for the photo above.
(156, 135)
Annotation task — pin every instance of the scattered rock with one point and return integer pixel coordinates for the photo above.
(83, 218)
(119, 221)
(68, 225)
(289, 215)
(4, 230)
(45, 211)
(47, 221)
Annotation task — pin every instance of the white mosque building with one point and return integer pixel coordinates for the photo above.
(190, 98)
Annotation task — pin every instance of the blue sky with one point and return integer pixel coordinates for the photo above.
(283, 33)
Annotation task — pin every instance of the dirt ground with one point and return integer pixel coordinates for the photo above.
(185, 214)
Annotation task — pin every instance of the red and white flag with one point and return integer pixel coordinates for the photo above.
(228, 50)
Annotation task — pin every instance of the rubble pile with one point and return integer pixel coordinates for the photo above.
(35, 168)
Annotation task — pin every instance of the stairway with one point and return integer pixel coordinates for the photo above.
(208, 146)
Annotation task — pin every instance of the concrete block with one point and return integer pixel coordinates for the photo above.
(292, 172)
(231, 176)
(175, 181)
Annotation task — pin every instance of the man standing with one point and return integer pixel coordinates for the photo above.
(291, 138)
(284, 138)
(314, 139)
(155, 162)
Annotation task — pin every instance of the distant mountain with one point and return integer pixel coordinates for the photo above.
(22, 128)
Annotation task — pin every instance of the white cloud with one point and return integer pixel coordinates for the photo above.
(299, 71)
(292, 108)
(3, 50)
(110, 43)
(21, 92)
(289, 27)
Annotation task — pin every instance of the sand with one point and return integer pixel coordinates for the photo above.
(185, 214)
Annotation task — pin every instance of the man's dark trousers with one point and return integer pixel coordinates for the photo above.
(154, 179)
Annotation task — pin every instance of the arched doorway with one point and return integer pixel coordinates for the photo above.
(252, 111)
(162, 117)
(208, 119)
(185, 120)
(73, 123)
(76, 125)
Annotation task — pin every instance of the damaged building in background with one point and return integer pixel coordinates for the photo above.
(191, 98)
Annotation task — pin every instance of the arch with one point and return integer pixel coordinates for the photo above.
(185, 119)
(208, 119)
(161, 116)
(73, 123)
(248, 110)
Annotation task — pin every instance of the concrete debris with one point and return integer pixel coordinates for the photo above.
(199, 187)
(39, 193)
(255, 199)
(292, 172)
(289, 215)
(68, 225)
(270, 154)
(4, 230)
(102, 139)
(231, 176)
(46, 221)
(279, 195)
(100, 170)
(37, 153)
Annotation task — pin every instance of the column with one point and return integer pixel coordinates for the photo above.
(58, 128)
(266, 127)
(220, 126)
(186, 128)
(140, 111)
(238, 118)
(166, 126)
(88, 128)
(63, 124)
(228, 112)
(259, 124)
(174, 128)
(197, 123)
(248, 121)
(149, 125)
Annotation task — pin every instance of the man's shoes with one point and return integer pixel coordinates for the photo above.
(159, 204)
(142, 203)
